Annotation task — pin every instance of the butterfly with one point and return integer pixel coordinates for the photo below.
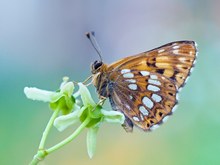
(144, 87)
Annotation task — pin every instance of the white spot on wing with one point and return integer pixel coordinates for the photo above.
(131, 97)
(176, 52)
(128, 107)
(143, 110)
(128, 75)
(142, 117)
(144, 73)
(136, 118)
(165, 118)
(174, 108)
(187, 79)
(123, 71)
(191, 69)
(147, 102)
(161, 50)
(131, 80)
(197, 52)
(196, 44)
(132, 86)
(153, 88)
(156, 98)
(182, 59)
(177, 96)
(176, 47)
(155, 82)
(194, 62)
(154, 127)
(153, 76)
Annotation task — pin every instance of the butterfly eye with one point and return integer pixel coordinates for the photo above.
(96, 65)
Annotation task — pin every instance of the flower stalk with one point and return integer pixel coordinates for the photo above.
(48, 128)
(67, 111)
(70, 138)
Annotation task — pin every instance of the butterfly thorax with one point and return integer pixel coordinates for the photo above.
(100, 78)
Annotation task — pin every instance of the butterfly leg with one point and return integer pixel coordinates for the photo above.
(101, 101)
(86, 80)
(75, 82)
(128, 125)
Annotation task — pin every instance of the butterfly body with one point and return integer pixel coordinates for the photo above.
(144, 87)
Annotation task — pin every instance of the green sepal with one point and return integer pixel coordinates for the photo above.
(93, 122)
(65, 104)
(94, 114)
(84, 114)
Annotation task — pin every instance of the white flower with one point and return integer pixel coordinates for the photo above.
(62, 99)
(89, 110)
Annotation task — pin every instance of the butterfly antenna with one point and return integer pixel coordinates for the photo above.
(91, 37)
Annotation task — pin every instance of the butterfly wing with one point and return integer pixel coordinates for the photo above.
(145, 86)
(173, 60)
(144, 98)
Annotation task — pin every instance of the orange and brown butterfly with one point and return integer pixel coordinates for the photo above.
(144, 87)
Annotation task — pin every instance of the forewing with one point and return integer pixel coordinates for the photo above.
(145, 86)
(174, 61)
(145, 98)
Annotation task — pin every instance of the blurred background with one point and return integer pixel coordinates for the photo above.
(42, 41)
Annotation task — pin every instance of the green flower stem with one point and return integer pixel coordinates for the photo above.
(41, 152)
(70, 138)
(48, 128)
(38, 157)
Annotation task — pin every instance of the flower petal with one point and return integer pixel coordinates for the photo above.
(39, 94)
(85, 95)
(67, 88)
(113, 116)
(91, 140)
(65, 80)
(62, 122)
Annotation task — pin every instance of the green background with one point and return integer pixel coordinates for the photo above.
(42, 41)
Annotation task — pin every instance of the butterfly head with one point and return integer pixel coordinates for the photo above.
(96, 66)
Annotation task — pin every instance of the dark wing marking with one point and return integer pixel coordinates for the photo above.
(145, 101)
